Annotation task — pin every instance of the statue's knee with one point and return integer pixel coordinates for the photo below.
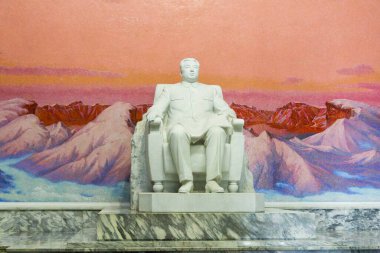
(217, 131)
(177, 131)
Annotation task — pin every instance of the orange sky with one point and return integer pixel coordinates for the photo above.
(267, 45)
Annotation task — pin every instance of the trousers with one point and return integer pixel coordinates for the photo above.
(179, 144)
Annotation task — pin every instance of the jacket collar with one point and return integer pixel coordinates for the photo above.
(187, 84)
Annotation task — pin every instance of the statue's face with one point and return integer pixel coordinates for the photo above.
(190, 71)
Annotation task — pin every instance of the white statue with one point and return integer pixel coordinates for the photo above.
(190, 113)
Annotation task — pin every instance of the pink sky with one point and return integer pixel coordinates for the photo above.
(294, 49)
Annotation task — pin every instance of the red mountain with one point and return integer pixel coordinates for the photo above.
(73, 114)
(292, 119)
(250, 114)
(298, 117)
(78, 114)
(289, 120)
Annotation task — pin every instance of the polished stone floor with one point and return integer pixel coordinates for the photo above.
(85, 241)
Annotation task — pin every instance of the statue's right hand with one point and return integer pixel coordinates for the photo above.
(151, 116)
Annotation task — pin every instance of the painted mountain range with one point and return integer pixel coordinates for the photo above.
(297, 150)
(291, 119)
(21, 132)
(344, 155)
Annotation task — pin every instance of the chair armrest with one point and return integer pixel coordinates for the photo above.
(155, 124)
(238, 125)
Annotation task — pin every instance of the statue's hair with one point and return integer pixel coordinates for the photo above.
(187, 59)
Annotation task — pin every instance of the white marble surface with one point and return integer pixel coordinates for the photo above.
(201, 202)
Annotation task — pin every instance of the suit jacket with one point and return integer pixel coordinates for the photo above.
(196, 107)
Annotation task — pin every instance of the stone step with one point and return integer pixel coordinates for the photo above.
(123, 224)
(200, 202)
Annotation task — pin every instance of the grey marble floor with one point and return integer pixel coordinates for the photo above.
(85, 241)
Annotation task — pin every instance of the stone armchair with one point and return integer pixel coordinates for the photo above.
(162, 171)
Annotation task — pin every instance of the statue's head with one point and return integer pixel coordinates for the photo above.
(189, 70)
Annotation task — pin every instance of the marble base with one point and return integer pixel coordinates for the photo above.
(122, 224)
(347, 219)
(327, 243)
(338, 231)
(85, 241)
(201, 202)
(18, 221)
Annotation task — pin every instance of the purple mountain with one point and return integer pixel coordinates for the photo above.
(344, 155)
(22, 133)
(99, 153)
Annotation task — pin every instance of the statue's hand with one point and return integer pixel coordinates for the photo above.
(151, 116)
(154, 124)
(230, 118)
(238, 125)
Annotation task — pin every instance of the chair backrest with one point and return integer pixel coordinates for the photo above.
(160, 87)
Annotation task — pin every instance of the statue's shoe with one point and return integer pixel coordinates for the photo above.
(213, 186)
(186, 187)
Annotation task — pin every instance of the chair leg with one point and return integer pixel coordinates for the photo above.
(158, 187)
(233, 186)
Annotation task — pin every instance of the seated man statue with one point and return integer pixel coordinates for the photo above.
(195, 113)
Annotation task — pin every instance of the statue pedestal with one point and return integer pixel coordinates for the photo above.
(123, 224)
(201, 202)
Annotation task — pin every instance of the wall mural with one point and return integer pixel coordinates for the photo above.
(76, 77)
